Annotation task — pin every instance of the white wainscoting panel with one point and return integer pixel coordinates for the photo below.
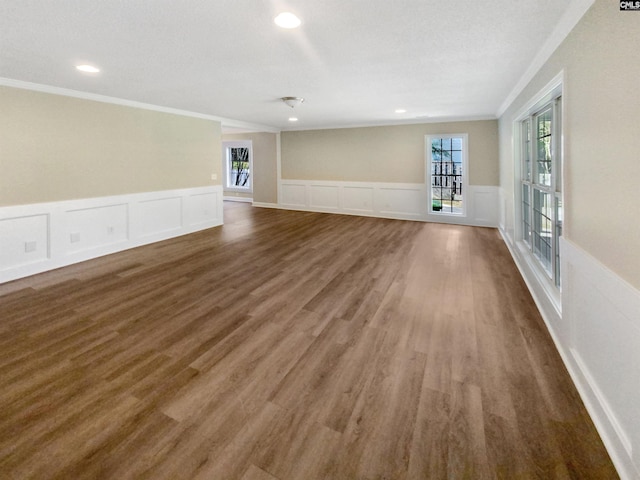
(96, 227)
(200, 208)
(406, 201)
(388, 200)
(324, 197)
(40, 237)
(294, 194)
(602, 312)
(506, 222)
(597, 332)
(358, 200)
(24, 240)
(402, 201)
(154, 217)
(485, 201)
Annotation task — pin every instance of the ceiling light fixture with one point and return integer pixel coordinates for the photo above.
(292, 101)
(293, 119)
(87, 68)
(401, 110)
(287, 20)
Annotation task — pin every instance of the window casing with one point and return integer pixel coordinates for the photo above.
(541, 186)
(447, 174)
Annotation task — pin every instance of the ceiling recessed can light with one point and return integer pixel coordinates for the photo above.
(87, 68)
(287, 20)
(293, 119)
(400, 110)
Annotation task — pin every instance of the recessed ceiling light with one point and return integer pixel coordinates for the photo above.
(287, 20)
(293, 119)
(401, 110)
(88, 68)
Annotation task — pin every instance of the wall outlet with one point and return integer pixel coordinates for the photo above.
(75, 237)
(214, 176)
(30, 246)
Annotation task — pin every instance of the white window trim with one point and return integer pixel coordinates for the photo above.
(551, 91)
(465, 174)
(227, 167)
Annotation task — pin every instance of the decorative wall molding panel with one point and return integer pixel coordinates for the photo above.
(40, 237)
(404, 201)
(597, 332)
(602, 317)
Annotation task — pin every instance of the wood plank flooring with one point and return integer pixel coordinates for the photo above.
(289, 345)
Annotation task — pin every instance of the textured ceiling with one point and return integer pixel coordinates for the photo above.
(354, 61)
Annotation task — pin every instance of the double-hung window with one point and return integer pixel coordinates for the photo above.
(541, 186)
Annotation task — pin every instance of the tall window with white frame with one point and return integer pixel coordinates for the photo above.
(238, 163)
(541, 186)
(447, 171)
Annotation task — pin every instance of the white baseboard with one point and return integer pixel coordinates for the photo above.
(598, 337)
(228, 198)
(40, 237)
(265, 205)
(403, 201)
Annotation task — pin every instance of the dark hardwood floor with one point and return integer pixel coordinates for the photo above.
(289, 345)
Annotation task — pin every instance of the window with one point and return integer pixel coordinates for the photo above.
(541, 186)
(238, 165)
(447, 169)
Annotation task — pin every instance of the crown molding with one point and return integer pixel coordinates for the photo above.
(397, 123)
(571, 17)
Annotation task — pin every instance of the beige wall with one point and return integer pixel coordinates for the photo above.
(602, 145)
(384, 154)
(265, 171)
(55, 147)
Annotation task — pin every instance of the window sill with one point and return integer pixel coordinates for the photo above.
(238, 189)
(447, 214)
